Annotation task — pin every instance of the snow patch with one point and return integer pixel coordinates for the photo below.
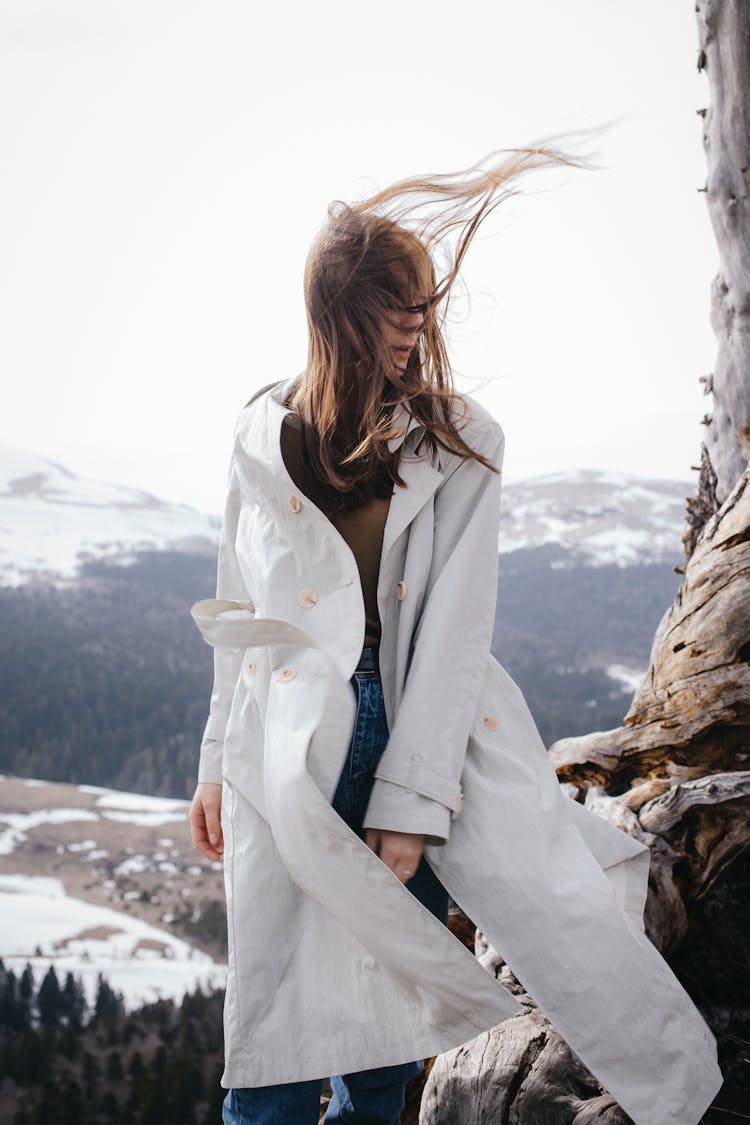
(43, 926)
(138, 801)
(20, 824)
(133, 866)
(145, 818)
(628, 677)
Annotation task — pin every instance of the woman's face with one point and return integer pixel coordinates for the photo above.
(400, 330)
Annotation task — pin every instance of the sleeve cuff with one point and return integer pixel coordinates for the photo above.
(394, 808)
(210, 762)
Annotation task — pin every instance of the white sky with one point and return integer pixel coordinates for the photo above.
(165, 165)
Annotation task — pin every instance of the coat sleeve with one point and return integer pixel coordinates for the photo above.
(418, 778)
(227, 661)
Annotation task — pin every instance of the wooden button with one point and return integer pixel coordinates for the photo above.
(490, 722)
(401, 590)
(252, 667)
(285, 675)
(307, 598)
(295, 503)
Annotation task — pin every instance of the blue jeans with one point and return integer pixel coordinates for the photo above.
(367, 1097)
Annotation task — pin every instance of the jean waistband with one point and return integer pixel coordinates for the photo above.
(368, 661)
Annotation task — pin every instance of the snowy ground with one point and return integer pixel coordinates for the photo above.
(130, 808)
(42, 926)
(90, 882)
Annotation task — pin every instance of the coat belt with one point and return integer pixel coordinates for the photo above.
(232, 624)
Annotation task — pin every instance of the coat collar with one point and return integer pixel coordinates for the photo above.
(406, 423)
(420, 477)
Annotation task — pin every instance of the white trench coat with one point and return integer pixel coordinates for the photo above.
(334, 966)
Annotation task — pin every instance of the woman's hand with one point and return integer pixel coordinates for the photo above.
(205, 820)
(401, 851)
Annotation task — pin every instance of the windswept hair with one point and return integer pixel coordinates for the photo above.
(373, 257)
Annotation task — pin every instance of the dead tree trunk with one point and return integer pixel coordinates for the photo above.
(724, 54)
(677, 773)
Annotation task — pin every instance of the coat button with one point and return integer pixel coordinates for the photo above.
(252, 667)
(490, 722)
(401, 590)
(285, 675)
(295, 503)
(307, 598)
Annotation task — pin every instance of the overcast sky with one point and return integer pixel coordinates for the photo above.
(165, 165)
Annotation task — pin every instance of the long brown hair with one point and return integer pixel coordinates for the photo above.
(373, 257)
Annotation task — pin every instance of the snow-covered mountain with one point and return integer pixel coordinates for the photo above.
(51, 520)
(598, 518)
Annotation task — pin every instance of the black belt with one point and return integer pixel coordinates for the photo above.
(368, 661)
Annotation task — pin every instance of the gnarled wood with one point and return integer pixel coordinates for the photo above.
(690, 716)
(520, 1071)
(677, 774)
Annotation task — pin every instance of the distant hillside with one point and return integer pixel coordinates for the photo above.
(107, 681)
(97, 880)
(577, 638)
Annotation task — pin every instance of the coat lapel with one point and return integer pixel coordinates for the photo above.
(421, 479)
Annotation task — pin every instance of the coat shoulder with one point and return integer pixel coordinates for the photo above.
(477, 426)
(262, 391)
(467, 409)
(253, 404)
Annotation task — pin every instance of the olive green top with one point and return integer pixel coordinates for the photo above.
(361, 527)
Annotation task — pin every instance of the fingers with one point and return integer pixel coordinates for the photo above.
(213, 826)
(400, 851)
(205, 821)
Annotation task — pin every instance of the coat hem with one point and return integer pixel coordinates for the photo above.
(265, 1073)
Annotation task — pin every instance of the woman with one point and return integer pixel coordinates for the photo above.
(357, 708)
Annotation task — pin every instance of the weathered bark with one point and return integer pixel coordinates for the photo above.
(724, 54)
(677, 773)
(520, 1071)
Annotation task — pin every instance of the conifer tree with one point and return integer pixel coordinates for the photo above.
(73, 1002)
(49, 999)
(108, 1005)
(26, 985)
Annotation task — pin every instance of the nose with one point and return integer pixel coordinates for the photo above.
(411, 322)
